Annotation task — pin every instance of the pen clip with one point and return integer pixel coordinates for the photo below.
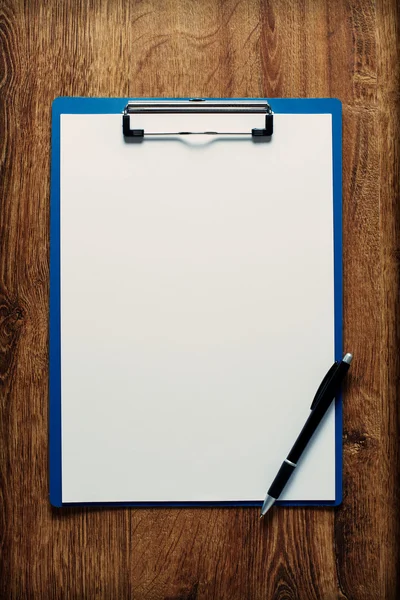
(324, 384)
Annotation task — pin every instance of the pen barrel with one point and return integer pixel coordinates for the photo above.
(281, 480)
(317, 413)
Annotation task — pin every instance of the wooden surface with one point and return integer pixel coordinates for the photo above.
(346, 49)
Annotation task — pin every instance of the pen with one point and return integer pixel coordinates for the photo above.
(322, 400)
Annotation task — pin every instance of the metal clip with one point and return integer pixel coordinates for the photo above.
(196, 106)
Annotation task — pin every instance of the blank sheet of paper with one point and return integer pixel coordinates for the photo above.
(197, 308)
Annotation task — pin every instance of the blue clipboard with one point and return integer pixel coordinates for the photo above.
(88, 106)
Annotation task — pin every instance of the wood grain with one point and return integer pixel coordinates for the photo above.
(347, 49)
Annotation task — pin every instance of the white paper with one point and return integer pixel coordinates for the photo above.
(197, 308)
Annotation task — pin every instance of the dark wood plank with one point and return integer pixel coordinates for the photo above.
(301, 48)
(388, 93)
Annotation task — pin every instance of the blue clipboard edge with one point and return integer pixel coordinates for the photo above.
(79, 105)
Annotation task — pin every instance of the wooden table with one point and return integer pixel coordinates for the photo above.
(344, 49)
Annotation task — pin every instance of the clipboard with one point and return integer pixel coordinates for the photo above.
(195, 299)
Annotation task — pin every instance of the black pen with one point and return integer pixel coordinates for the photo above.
(325, 394)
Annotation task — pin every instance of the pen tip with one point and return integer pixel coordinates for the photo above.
(268, 502)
